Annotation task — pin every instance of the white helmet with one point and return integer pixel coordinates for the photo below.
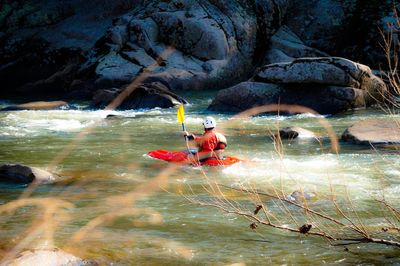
(209, 122)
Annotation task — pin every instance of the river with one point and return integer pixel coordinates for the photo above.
(106, 162)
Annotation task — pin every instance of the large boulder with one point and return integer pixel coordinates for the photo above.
(325, 70)
(47, 257)
(197, 44)
(326, 85)
(373, 132)
(17, 173)
(201, 38)
(322, 99)
(144, 96)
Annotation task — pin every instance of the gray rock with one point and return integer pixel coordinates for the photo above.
(178, 79)
(295, 132)
(17, 173)
(140, 57)
(118, 35)
(320, 98)
(243, 96)
(285, 46)
(116, 70)
(216, 43)
(42, 105)
(373, 132)
(145, 96)
(201, 38)
(103, 97)
(300, 196)
(143, 32)
(324, 70)
(48, 257)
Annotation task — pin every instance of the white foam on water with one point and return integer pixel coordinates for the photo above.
(161, 120)
(257, 119)
(393, 172)
(194, 120)
(392, 191)
(311, 172)
(57, 124)
(22, 123)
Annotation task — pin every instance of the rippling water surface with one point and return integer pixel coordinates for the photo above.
(106, 158)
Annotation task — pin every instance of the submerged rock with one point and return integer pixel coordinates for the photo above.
(47, 257)
(37, 106)
(300, 196)
(373, 132)
(295, 132)
(17, 173)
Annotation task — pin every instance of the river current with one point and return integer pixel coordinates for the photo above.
(108, 171)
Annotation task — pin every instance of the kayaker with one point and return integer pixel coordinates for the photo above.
(211, 143)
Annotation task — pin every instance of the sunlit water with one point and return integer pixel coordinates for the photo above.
(111, 160)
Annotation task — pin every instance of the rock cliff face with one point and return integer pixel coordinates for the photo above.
(347, 28)
(73, 48)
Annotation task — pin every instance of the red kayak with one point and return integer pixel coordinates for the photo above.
(180, 156)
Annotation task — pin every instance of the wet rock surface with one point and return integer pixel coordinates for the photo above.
(295, 132)
(17, 173)
(373, 132)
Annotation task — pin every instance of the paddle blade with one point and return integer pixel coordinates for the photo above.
(181, 114)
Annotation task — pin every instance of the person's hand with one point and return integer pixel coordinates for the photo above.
(188, 135)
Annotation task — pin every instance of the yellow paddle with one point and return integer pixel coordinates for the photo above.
(181, 116)
(181, 119)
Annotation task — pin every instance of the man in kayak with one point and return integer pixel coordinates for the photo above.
(211, 143)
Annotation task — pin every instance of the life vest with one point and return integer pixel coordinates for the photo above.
(222, 142)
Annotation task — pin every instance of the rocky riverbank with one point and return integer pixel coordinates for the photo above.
(78, 50)
(143, 54)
